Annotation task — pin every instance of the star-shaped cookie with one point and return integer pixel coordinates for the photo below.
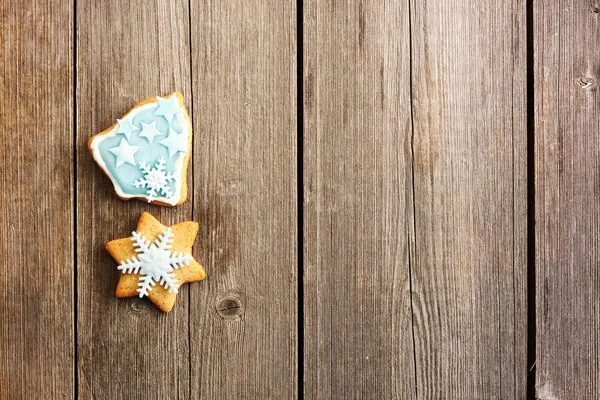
(156, 260)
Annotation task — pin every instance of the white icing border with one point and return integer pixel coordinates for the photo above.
(95, 149)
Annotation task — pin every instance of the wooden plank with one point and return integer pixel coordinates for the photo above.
(244, 317)
(358, 336)
(36, 200)
(126, 51)
(567, 165)
(469, 268)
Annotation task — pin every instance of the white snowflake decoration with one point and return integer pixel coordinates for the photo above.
(156, 262)
(156, 180)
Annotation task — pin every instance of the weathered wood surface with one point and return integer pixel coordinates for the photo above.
(469, 266)
(36, 200)
(467, 226)
(415, 214)
(357, 170)
(127, 348)
(567, 176)
(243, 325)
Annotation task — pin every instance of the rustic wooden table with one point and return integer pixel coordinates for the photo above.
(397, 199)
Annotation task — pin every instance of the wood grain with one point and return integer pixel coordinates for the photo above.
(567, 188)
(36, 200)
(470, 228)
(243, 320)
(128, 349)
(357, 170)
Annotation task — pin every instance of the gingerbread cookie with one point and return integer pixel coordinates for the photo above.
(146, 152)
(156, 254)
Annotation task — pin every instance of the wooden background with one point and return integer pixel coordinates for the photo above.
(397, 199)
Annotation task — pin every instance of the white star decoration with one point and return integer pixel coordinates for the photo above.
(125, 127)
(124, 153)
(149, 131)
(168, 107)
(175, 142)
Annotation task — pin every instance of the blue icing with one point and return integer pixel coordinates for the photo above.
(150, 153)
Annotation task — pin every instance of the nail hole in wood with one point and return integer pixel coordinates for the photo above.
(229, 307)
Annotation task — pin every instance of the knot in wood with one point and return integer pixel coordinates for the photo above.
(595, 9)
(586, 83)
(229, 307)
(137, 306)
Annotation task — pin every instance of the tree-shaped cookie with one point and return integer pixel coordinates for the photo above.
(146, 152)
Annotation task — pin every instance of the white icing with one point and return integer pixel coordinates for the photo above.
(156, 262)
(95, 149)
